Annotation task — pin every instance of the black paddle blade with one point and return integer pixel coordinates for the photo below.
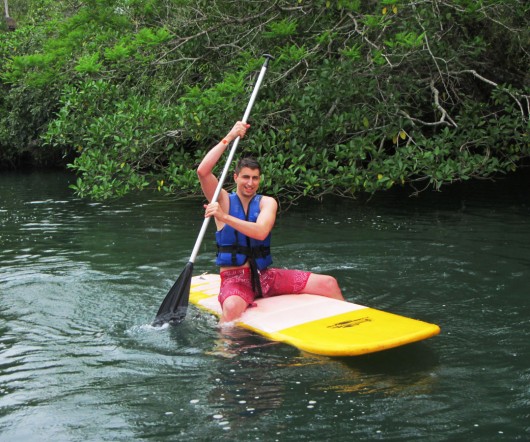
(175, 304)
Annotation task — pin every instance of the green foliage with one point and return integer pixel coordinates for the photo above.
(362, 95)
(407, 40)
(282, 28)
(89, 64)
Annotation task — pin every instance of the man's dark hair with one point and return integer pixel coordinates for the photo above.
(249, 162)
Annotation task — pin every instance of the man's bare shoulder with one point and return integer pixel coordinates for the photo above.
(268, 202)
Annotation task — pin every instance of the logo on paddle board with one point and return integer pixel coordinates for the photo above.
(350, 323)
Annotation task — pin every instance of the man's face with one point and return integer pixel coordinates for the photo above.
(247, 181)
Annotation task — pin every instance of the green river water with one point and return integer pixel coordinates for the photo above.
(81, 281)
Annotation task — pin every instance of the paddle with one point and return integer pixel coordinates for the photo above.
(175, 304)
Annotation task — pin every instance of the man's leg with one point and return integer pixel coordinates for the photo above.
(233, 308)
(323, 285)
(235, 293)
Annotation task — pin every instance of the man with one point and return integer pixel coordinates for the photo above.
(244, 222)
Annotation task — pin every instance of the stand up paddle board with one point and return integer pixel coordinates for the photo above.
(317, 324)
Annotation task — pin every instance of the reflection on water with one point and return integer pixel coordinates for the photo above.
(80, 283)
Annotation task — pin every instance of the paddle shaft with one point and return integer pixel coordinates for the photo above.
(206, 221)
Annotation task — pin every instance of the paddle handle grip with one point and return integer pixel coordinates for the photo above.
(231, 154)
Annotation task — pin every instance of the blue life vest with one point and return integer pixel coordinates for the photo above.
(234, 248)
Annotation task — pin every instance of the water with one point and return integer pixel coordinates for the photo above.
(80, 282)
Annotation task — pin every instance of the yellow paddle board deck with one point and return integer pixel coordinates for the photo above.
(317, 324)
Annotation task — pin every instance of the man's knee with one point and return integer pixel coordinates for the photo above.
(233, 308)
(331, 285)
(328, 286)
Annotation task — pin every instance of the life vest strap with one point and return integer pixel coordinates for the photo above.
(251, 252)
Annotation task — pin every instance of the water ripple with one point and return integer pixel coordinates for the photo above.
(80, 283)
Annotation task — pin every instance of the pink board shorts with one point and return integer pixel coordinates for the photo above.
(274, 282)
